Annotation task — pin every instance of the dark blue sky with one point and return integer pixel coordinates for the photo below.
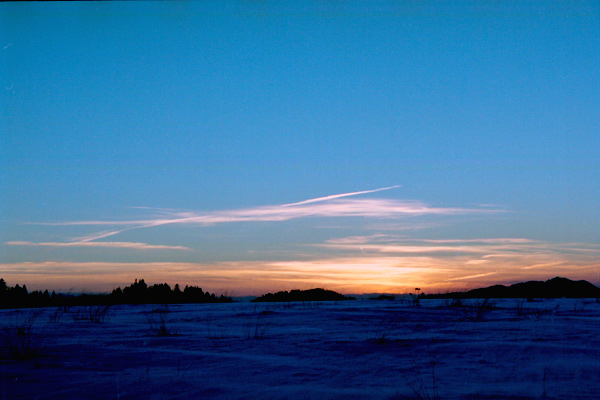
(174, 132)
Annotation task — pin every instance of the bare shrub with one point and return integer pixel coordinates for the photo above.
(159, 325)
(538, 314)
(162, 309)
(483, 307)
(215, 331)
(92, 313)
(24, 339)
(56, 315)
(419, 386)
(384, 329)
(456, 302)
(258, 328)
(479, 309)
(519, 307)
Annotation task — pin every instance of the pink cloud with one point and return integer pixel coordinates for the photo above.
(334, 206)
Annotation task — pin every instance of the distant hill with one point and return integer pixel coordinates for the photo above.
(303, 295)
(552, 288)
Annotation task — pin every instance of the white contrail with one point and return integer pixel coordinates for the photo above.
(337, 196)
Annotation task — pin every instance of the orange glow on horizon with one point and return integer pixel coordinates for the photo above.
(347, 275)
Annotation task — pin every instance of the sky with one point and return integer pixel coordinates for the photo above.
(255, 146)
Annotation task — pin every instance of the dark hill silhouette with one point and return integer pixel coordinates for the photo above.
(553, 288)
(303, 295)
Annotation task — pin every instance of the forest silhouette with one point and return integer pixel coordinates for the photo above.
(137, 293)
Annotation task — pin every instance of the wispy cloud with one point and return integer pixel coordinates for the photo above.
(117, 245)
(476, 260)
(403, 248)
(353, 240)
(396, 226)
(323, 207)
(381, 243)
(461, 278)
(487, 240)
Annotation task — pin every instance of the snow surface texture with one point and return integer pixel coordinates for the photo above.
(347, 350)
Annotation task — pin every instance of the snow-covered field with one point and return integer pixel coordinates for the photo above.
(347, 350)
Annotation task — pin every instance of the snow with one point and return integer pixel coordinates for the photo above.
(361, 349)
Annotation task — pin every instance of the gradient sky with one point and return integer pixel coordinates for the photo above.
(254, 146)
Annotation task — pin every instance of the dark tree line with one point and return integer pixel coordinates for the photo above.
(140, 293)
(136, 293)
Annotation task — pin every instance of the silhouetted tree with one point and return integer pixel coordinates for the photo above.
(136, 292)
(160, 293)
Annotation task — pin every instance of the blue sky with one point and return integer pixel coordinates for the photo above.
(167, 140)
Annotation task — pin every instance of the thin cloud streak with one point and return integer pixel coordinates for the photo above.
(384, 238)
(323, 207)
(389, 248)
(483, 248)
(115, 245)
(490, 241)
(337, 196)
(472, 276)
(99, 235)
